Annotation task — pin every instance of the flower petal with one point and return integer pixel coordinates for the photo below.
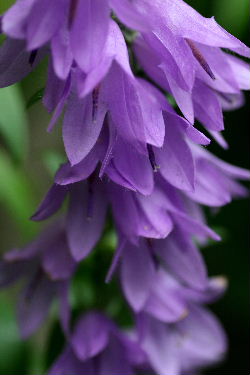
(68, 363)
(183, 259)
(61, 53)
(137, 274)
(175, 159)
(85, 220)
(90, 336)
(82, 125)
(34, 304)
(45, 18)
(159, 342)
(57, 261)
(89, 32)
(51, 203)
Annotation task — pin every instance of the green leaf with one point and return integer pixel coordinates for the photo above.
(13, 121)
(17, 195)
(35, 98)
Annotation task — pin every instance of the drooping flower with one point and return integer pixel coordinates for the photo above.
(152, 282)
(207, 96)
(129, 152)
(188, 345)
(97, 346)
(182, 43)
(63, 23)
(137, 215)
(110, 88)
(47, 266)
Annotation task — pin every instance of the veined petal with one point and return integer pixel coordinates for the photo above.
(137, 274)
(124, 105)
(183, 259)
(174, 54)
(241, 71)
(82, 125)
(89, 32)
(133, 166)
(225, 79)
(61, 53)
(175, 159)
(207, 107)
(124, 210)
(150, 62)
(131, 15)
(86, 217)
(152, 116)
(211, 186)
(188, 23)
(45, 18)
(115, 49)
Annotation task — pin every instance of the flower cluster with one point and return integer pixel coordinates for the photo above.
(130, 153)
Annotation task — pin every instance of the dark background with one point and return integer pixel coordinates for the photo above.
(25, 181)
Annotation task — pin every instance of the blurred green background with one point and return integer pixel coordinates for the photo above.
(28, 158)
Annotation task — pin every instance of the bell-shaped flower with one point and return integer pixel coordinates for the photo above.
(97, 346)
(194, 342)
(47, 266)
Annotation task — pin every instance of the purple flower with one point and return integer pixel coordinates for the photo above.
(167, 46)
(66, 25)
(136, 215)
(167, 299)
(46, 265)
(230, 77)
(131, 154)
(86, 214)
(98, 347)
(113, 89)
(188, 345)
(162, 277)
